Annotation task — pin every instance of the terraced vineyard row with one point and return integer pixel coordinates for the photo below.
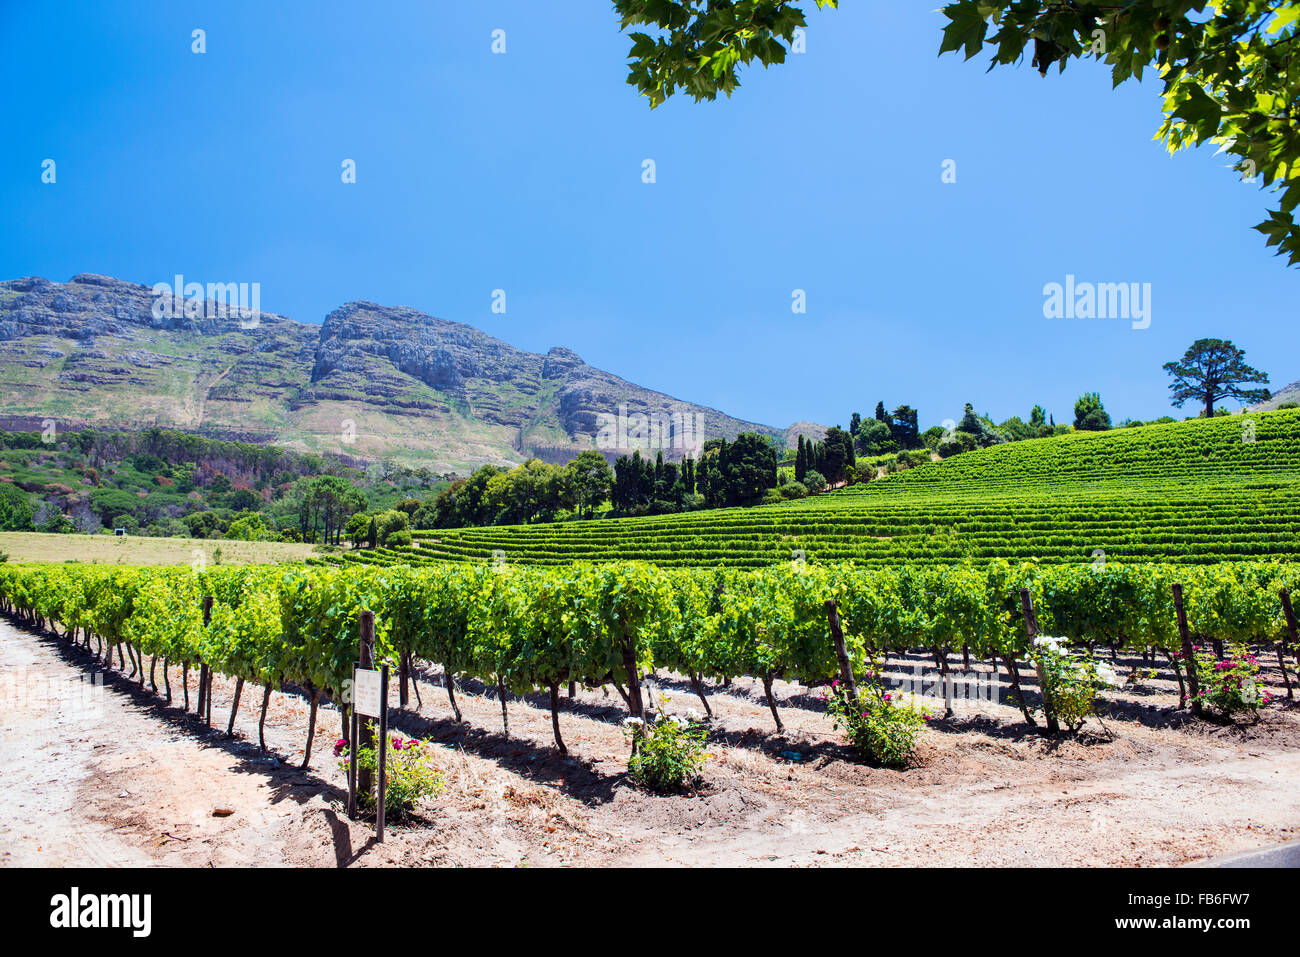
(1205, 491)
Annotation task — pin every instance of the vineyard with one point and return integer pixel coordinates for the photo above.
(1198, 492)
(523, 629)
(1131, 546)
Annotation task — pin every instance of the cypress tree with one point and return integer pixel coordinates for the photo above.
(646, 486)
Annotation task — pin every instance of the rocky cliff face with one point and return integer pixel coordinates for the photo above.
(1290, 393)
(371, 380)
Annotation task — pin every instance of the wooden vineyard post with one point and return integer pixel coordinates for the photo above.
(369, 700)
(1031, 626)
(1189, 655)
(841, 652)
(204, 710)
(1289, 612)
(382, 799)
(403, 677)
(352, 767)
(366, 659)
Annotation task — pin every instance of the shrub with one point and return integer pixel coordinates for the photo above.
(955, 443)
(399, 539)
(410, 773)
(1230, 686)
(388, 524)
(1070, 682)
(667, 753)
(882, 728)
(794, 490)
(251, 527)
(814, 481)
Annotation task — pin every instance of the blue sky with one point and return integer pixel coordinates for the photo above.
(523, 172)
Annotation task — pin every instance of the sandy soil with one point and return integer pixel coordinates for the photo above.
(98, 771)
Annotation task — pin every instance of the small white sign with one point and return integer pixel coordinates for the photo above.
(367, 697)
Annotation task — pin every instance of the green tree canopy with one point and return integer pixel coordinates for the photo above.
(15, 509)
(1212, 370)
(1228, 69)
(591, 478)
(875, 438)
(1089, 414)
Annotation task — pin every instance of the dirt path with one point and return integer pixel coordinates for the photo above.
(97, 770)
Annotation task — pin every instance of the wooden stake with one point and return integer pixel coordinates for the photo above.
(403, 679)
(1289, 613)
(381, 799)
(1178, 673)
(841, 651)
(204, 706)
(366, 659)
(1031, 626)
(1189, 655)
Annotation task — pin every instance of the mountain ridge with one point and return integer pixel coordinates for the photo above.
(1288, 393)
(368, 381)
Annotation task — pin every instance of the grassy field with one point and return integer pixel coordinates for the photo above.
(1223, 489)
(128, 550)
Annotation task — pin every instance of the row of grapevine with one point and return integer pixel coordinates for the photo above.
(523, 629)
(1201, 492)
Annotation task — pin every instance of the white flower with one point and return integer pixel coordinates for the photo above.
(1108, 675)
(693, 715)
(1048, 642)
(633, 722)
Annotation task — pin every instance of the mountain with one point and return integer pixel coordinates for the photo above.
(371, 381)
(1290, 393)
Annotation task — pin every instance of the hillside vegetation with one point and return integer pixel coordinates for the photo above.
(1210, 490)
